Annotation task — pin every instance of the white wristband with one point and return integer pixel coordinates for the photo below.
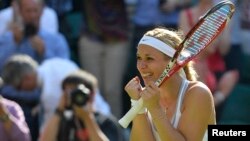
(133, 103)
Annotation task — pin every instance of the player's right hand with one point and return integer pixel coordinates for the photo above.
(134, 88)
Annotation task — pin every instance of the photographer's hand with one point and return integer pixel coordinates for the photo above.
(38, 44)
(4, 114)
(17, 31)
(86, 115)
(83, 112)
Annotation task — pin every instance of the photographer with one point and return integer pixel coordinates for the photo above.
(74, 122)
(26, 36)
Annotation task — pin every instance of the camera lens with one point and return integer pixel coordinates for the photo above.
(80, 95)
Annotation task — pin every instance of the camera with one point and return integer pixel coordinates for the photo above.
(80, 95)
(30, 30)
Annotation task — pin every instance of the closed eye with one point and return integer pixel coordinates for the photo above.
(138, 57)
(147, 58)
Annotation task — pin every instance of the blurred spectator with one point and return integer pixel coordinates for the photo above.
(12, 122)
(239, 58)
(69, 14)
(10, 15)
(72, 121)
(244, 22)
(103, 47)
(238, 54)
(147, 15)
(20, 85)
(233, 58)
(50, 77)
(220, 81)
(244, 5)
(30, 38)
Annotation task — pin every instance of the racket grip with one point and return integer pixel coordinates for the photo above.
(130, 115)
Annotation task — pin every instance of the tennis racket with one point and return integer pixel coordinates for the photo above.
(209, 26)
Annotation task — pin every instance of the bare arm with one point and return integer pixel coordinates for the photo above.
(224, 41)
(50, 131)
(141, 129)
(197, 112)
(51, 127)
(183, 24)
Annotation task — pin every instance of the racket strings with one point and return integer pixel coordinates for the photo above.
(205, 32)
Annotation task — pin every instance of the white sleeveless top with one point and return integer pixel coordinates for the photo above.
(177, 115)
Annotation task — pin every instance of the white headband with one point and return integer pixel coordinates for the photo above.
(158, 44)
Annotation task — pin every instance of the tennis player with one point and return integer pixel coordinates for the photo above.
(182, 107)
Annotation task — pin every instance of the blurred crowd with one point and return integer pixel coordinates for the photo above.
(42, 42)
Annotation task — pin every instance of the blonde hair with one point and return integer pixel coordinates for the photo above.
(173, 39)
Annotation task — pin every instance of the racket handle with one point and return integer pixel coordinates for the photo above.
(130, 115)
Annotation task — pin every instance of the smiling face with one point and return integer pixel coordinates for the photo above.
(150, 63)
